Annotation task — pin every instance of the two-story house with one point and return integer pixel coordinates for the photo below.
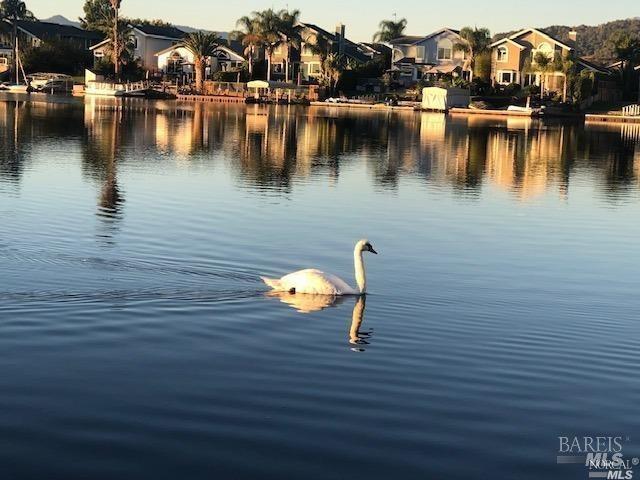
(147, 41)
(431, 56)
(513, 59)
(305, 63)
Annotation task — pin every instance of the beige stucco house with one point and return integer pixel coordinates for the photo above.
(513, 58)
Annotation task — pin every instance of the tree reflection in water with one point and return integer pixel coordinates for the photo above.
(271, 148)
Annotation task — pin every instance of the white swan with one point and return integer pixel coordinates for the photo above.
(315, 282)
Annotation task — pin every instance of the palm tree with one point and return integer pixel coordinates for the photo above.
(475, 42)
(565, 64)
(390, 29)
(543, 64)
(332, 68)
(249, 35)
(291, 36)
(14, 10)
(121, 48)
(319, 45)
(201, 45)
(115, 5)
(268, 23)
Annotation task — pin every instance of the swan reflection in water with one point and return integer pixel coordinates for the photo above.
(305, 303)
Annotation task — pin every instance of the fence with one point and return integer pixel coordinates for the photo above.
(631, 110)
(226, 89)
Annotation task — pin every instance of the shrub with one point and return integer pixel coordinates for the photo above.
(512, 89)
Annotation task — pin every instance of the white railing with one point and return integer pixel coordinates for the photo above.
(120, 87)
(631, 110)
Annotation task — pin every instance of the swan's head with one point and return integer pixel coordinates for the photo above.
(365, 246)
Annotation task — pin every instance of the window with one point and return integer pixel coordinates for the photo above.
(530, 79)
(543, 48)
(277, 68)
(420, 54)
(278, 49)
(307, 50)
(445, 50)
(505, 77)
(3, 61)
(174, 63)
(503, 54)
(314, 68)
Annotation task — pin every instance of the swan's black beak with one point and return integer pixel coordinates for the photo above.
(372, 250)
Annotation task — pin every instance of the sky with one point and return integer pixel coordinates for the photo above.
(361, 17)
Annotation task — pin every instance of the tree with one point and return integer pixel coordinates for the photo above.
(390, 29)
(565, 64)
(249, 35)
(202, 45)
(97, 16)
(627, 50)
(319, 45)
(475, 42)
(121, 48)
(543, 64)
(14, 10)
(57, 56)
(268, 23)
(291, 37)
(115, 5)
(332, 69)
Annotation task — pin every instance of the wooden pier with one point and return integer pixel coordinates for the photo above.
(212, 98)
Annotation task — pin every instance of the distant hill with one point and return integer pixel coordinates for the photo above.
(593, 41)
(60, 20)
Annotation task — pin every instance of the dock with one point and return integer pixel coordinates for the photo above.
(212, 98)
(611, 118)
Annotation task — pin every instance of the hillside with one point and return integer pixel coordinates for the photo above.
(593, 41)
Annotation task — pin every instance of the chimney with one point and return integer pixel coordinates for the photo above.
(340, 29)
(573, 37)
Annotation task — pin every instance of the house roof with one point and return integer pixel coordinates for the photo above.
(508, 40)
(413, 39)
(236, 47)
(442, 30)
(160, 31)
(47, 30)
(407, 40)
(619, 63)
(377, 47)
(444, 69)
(222, 46)
(593, 66)
(351, 49)
(320, 30)
(540, 32)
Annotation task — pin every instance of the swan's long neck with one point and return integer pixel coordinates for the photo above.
(361, 278)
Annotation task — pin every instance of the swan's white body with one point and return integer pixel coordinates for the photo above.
(316, 282)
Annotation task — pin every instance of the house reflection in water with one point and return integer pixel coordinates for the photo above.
(272, 148)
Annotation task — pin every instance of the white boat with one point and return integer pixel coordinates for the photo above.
(51, 82)
(109, 89)
(17, 88)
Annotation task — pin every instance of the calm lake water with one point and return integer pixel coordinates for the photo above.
(136, 339)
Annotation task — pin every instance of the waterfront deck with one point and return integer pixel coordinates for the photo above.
(611, 118)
